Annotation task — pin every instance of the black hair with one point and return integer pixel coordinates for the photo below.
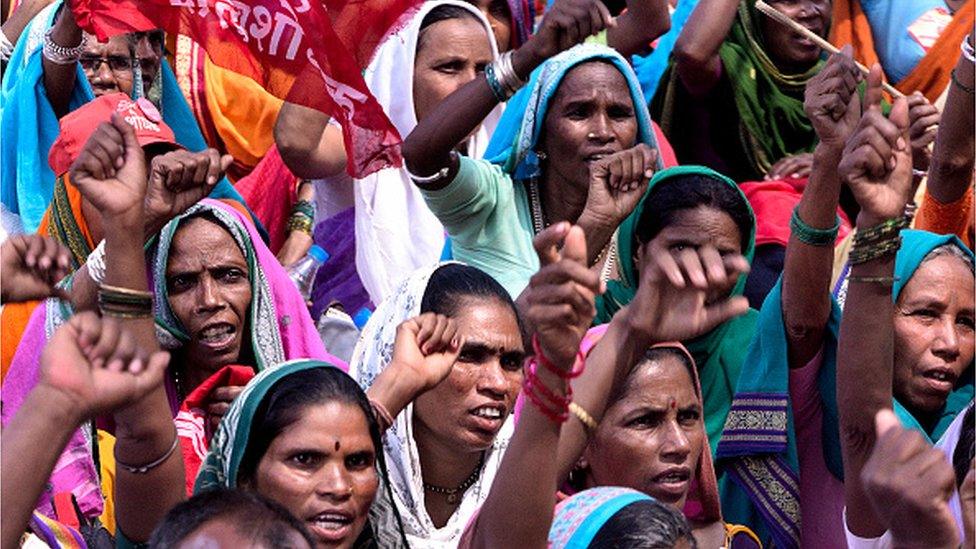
(442, 13)
(655, 354)
(453, 283)
(962, 457)
(687, 192)
(289, 397)
(252, 515)
(644, 524)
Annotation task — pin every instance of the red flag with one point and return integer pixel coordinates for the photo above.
(303, 51)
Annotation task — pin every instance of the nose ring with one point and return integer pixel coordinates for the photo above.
(591, 135)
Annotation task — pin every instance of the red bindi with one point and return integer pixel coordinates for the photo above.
(673, 404)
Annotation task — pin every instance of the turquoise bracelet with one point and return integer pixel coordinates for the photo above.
(496, 87)
(811, 235)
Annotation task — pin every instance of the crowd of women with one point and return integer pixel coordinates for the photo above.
(652, 274)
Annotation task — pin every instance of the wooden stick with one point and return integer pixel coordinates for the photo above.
(783, 19)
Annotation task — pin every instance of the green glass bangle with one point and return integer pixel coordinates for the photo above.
(812, 235)
(496, 87)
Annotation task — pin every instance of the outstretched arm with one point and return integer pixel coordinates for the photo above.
(696, 50)
(91, 366)
(877, 166)
(519, 508)
(833, 106)
(310, 146)
(641, 24)
(59, 80)
(951, 168)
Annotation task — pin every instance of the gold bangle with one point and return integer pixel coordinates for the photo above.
(585, 418)
(126, 291)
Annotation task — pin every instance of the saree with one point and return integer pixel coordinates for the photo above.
(371, 356)
(29, 125)
(396, 233)
(221, 467)
(278, 324)
(758, 446)
(717, 354)
(765, 120)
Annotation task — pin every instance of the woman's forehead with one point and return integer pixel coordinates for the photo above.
(591, 76)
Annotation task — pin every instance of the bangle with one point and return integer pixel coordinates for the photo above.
(383, 417)
(300, 223)
(886, 280)
(812, 235)
(496, 87)
(585, 418)
(862, 253)
(509, 79)
(96, 264)
(963, 87)
(437, 176)
(305, 207)
(575, 371)
(558, 410)
(6, 48)
(123, 302)
(143, 469)
(883, 231)
(967, 49)
(61, 55)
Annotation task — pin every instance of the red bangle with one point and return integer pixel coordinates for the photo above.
(555, 415)
(532, 381)
(576, 370)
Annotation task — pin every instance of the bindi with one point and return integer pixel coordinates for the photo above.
(337, 445)
(673, 404)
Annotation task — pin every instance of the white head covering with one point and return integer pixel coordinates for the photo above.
(396, 232)
(372, 355)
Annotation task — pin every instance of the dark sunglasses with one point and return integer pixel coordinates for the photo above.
(117, 63)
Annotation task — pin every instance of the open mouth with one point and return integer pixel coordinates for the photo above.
(941, 380)
(217, 336)
(488, 417)
(674, 482)
(331, 525)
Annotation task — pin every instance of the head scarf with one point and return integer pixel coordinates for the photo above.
(278, 321)
(396, 233)
(523, 20)
(222, 465)
(513, 144)
(769, 103)
(371, 356)
(579, 518)
(758, 446)
(718, 354)
(702, 504)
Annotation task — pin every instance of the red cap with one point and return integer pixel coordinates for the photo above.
(79, 125)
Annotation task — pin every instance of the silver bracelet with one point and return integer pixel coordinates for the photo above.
(96, 264)
(6, 48)
(967, 50)
(428, 179)
(59, 54)
(143, 469)
(506, 73)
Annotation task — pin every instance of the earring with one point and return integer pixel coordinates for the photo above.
(541, 155)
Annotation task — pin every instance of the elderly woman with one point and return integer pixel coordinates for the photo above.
(447, 427)
(738, 77)
(576, 144)
(43, 83)
(221, 298)
(686, 210)
(792, 462)
(303, 434)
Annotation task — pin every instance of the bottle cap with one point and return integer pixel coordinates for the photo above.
(318, 254)
(361, 317)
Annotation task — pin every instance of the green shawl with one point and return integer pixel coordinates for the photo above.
(719, 353)
(769, 104)
(758, 447)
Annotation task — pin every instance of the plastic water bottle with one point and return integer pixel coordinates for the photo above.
(303, 272)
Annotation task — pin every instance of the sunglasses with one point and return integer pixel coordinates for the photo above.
(117, 63)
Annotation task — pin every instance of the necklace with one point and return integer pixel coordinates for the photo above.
(538, 223)
(454, 494)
